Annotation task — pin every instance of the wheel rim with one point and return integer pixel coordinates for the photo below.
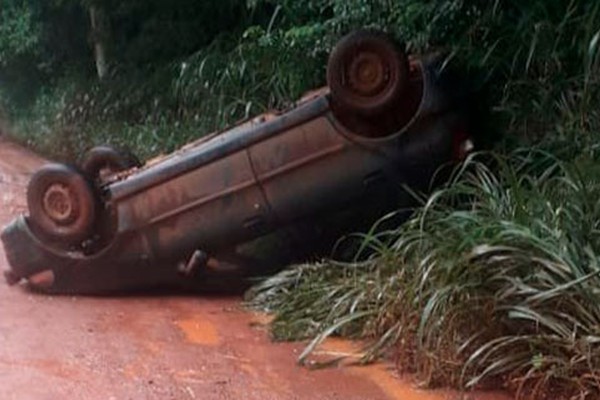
(60, 204)
(367, 74)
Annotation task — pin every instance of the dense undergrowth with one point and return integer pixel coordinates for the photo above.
(156, 111)
(494, 280)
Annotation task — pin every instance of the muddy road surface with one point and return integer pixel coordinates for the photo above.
(157, 346)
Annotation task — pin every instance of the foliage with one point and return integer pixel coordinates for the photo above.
(18, 33)
(157, 111)
(158, 95)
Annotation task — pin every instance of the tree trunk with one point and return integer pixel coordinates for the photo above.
(98, 36)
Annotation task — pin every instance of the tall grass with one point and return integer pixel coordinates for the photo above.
(504, 287)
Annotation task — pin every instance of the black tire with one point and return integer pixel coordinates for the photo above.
(61, 203)
(367, 72)
(107, 158)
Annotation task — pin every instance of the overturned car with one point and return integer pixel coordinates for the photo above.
(384, 121)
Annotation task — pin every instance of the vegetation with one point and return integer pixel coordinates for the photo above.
(492, 282)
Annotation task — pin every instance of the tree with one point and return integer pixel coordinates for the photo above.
(99, 36)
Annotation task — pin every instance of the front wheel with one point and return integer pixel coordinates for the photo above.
(61, 203)
(367, 72)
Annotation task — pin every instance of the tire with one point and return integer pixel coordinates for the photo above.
(106, 158)
(61, 203)
(367, 72)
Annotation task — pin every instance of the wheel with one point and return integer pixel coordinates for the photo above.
(102, 160)
(367, 72)
(61, 203)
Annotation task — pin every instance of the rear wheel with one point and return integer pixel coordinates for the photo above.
(105, 160)
(367, 72)
(61, 203)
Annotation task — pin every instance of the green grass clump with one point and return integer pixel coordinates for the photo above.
(495, 281)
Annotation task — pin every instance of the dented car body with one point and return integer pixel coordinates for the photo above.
(159, 223)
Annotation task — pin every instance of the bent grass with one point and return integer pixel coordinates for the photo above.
(504, 287)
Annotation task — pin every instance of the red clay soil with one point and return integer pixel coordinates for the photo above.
(157, 347)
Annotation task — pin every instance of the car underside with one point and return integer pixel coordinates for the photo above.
(343, 155)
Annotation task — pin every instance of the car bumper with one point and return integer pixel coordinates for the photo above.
(123, 265)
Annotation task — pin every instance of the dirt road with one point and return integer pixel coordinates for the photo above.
(155, 347)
